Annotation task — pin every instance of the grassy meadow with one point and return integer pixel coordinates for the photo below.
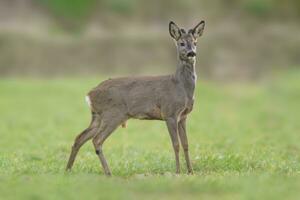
(244, 144)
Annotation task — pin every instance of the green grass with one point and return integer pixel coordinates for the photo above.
(244, 144)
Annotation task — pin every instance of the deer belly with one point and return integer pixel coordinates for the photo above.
(151, 114)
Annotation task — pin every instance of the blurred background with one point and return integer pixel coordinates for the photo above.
(244, 128)
(244, 39)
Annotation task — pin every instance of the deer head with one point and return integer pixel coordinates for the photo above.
(186, 41)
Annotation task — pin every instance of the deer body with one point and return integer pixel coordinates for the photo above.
(169, 98)
(130, 96)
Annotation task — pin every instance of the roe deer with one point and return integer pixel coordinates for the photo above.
(169, 98)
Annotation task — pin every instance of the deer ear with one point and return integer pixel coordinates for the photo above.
(198, 30)
(174, 30)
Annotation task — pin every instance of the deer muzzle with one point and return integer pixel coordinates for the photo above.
(191, 54)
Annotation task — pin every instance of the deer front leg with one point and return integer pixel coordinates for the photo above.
(173, 129)
(184, 143)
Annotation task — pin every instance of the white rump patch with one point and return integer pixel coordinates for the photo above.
(88, 100)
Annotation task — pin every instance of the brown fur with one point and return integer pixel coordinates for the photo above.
(169, 98)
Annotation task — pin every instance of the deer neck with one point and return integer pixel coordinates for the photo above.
(186, 76)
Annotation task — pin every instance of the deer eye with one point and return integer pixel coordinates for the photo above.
(182, 44)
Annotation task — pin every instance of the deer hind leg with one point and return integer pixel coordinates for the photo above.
(83, 137)
(109, 123)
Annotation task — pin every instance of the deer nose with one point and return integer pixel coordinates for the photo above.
(191, 54)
